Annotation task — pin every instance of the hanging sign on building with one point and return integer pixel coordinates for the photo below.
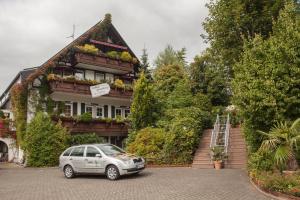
(100, 90)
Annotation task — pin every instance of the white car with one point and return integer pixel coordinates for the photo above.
(99, 159)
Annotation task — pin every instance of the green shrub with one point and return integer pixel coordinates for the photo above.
(260, 162)
(113, 54)
(85, 117)
(125, 56)
(148, 143)
(1, 114)
(280, 183)
(44, 141)
(85, 138)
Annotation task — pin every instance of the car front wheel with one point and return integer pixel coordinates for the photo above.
(112, 172)
(69, 172)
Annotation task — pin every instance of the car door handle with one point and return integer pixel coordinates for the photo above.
(86, 159)
(70, 159)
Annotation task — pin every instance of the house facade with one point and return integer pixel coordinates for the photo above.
(87, 86)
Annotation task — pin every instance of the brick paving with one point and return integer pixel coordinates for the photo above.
(152, 184)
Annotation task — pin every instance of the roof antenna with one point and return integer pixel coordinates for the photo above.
(73, 34)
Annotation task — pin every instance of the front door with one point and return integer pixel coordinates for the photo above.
(93, 164)
(77, 158)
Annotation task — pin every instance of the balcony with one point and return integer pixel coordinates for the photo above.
(102, 63)
(82, 88)
(98, 126)
(7, 129)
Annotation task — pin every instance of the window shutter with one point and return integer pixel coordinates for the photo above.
(113, 112)
(82, 108)
(74, 108)
(105, 111)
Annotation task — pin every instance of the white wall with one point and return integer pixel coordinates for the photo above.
(14, 153)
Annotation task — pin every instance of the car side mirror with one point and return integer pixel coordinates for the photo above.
(98, 155)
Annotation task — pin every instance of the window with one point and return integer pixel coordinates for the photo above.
(68, 110)
(78, 152)
(109, 78)
(99, 112)
(89, 109)
(127, 112)
(99, 77)
(89, 75)
(110, 149)
(118, 112)
(67, 153)
(79, 74)
(91, 152)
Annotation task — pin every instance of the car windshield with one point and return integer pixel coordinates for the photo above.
(111, 150)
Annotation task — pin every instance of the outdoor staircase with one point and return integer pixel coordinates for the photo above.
(222, 135)
(202, 156)
(237, 153)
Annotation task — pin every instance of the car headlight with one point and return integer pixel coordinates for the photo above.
(126, 161)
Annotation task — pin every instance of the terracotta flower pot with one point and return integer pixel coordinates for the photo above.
(218, 164)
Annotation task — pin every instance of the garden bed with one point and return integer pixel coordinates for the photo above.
(281, 186)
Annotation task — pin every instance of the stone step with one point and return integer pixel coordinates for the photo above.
(210, 166)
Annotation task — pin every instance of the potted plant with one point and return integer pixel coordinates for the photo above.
(218, 155)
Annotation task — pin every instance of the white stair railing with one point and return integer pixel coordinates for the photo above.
(217, 134)
(226, 136)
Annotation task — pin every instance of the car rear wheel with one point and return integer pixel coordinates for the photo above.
(112, 172)
(69, 172)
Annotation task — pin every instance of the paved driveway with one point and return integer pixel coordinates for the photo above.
(152, 184)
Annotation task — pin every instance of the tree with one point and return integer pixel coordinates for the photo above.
(209, 77)
(44, 141)
(266, 85)
(282, 141)
(230, 22)
(145, 63)
(144, 106)
(170, 57)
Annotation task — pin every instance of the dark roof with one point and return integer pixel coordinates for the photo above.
(23, 75)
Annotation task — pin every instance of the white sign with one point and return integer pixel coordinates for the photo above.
(100, 90)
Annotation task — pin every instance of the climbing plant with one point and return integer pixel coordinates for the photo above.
(19, 108)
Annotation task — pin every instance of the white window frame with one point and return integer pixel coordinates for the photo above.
(89, 106)
(116, 112)
(91, 73)
(125, 112)
(109, 77)
(102, 115)
(101, 76)
(71, 110)
(81, 72)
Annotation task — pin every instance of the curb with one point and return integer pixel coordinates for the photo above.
(269, 194)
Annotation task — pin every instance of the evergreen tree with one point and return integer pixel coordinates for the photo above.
(267, 79)
(145, 63)
(144, 106)
(171, 57)
(44, 141)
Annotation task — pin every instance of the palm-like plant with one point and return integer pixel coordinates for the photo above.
(282, 141)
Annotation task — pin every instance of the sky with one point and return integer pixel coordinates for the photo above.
(32, 31)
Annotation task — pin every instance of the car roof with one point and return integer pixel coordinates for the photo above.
(98, 144)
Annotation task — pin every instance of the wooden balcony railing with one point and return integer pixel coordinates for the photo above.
(99, 127)
(84, 89)
(105, 62)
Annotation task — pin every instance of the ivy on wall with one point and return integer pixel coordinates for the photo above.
(19, 108)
